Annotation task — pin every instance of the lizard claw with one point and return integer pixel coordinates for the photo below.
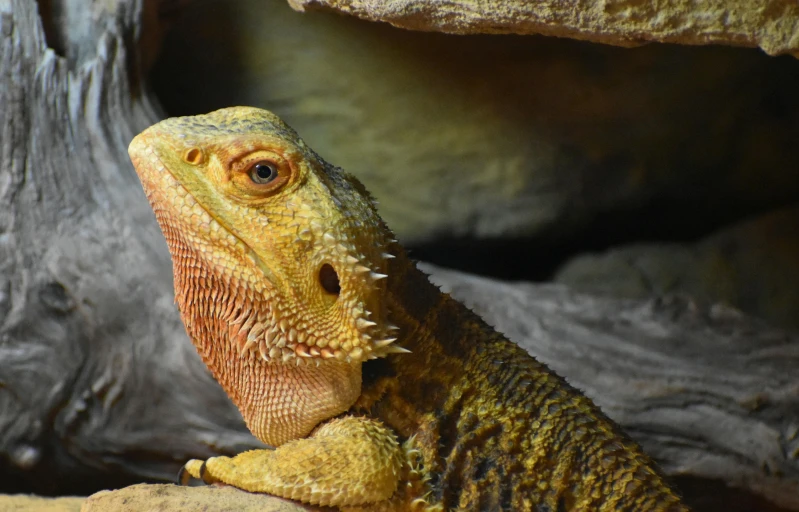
(184, 478)
(205, 475)
(192, 470)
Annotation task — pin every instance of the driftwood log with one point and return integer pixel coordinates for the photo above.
(99, 386)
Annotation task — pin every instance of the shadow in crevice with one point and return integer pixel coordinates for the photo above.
(50, 12)
(706, 495)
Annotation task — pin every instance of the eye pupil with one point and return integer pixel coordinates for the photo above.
(264, 171)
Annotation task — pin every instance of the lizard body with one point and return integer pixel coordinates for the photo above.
(379, 391)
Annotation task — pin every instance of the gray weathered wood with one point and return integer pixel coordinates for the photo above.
(99, 385)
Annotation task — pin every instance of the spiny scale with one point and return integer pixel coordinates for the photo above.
(272, 344)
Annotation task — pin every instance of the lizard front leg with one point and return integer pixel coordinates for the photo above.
(346, 461)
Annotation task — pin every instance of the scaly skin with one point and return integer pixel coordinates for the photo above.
(379, 391)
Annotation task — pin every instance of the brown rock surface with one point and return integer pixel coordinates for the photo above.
(173, 498)
(28, 503)
(773, 25)
(753, 266)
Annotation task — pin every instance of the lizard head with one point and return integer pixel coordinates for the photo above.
(285, 252)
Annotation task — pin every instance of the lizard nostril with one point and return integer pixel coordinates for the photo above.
(328, 278)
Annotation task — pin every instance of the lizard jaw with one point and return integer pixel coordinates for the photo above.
(279, 335)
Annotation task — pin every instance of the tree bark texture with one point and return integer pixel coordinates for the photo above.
(100, 387)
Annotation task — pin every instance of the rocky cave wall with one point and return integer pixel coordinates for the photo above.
(637, 172)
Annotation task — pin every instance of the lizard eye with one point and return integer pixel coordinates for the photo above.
(263, 173)
(260, 174)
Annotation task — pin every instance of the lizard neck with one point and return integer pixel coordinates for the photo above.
(435, 328)
(470, 392)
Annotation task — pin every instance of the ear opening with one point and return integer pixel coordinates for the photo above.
(328, 278)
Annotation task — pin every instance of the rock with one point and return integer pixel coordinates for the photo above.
(28, 503)
(773, 25)
(753, 266)
(503, 137)
(148, 497)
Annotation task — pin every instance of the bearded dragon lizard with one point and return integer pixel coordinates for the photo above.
(378, 391)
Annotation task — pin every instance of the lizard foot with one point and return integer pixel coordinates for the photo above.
(346, 461)
(413, 493)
